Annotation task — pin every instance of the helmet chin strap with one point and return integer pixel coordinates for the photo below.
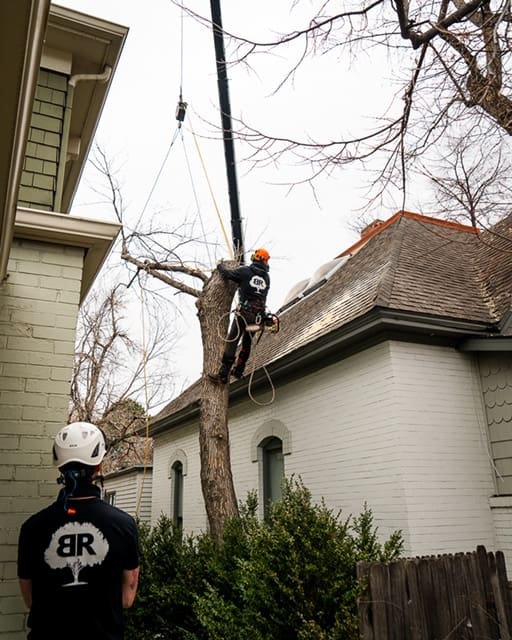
(70, 477)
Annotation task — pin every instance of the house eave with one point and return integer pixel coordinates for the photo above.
(95, 236)
(134, 469)
(22, 30)
(373, 327)
(377, 325)
(28, 28)
(94, 45)
(190, 412)
(487, 344)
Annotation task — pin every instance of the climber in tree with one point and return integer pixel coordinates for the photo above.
(253, 284)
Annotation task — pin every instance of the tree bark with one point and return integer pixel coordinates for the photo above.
(216, 477)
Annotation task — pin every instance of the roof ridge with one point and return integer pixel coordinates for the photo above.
(413, 216)
(386, 283)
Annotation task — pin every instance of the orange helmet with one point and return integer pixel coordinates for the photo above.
(260, 255)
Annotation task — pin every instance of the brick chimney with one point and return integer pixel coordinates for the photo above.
(371, 227)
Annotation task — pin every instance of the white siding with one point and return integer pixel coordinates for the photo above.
(399, 426)
(132, 492)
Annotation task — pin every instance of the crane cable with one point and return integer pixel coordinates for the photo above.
(180, 116)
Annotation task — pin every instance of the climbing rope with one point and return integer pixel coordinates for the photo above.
(147, 440)
(219, 217)
(251, 375)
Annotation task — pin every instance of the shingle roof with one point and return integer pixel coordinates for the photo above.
(410, 263)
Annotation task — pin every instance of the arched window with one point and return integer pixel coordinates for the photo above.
(272, 471)
(177, 494)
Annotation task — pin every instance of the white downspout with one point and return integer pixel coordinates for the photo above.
(66, 123)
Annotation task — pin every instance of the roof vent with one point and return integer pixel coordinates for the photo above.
(320, 277)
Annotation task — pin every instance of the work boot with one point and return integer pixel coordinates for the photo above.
(238, 371)
(224, 373)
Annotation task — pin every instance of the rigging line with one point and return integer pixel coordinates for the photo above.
(187, 161)
(230, 248)
(146, 399)
(158, 174)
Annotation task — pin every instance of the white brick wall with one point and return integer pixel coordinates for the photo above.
(444, 451)
(399, 426)
(194, 515)
(38, 309)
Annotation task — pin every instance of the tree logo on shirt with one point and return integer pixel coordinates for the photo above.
(76, 545)
(258, 283)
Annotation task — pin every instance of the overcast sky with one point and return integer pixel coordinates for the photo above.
(300, 231)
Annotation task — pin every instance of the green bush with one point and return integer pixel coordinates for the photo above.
(292, 576)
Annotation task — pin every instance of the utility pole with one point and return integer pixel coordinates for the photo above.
(227, 130)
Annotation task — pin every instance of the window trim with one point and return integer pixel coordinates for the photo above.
(271, 429)
(178, 457)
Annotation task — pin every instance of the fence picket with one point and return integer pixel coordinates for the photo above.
(465, 596)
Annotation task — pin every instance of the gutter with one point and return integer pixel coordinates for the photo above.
(487, 344)
(35, 34)
(373, 327)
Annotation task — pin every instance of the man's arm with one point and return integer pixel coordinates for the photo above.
(130, 582)
(26, 591)
(231, 274)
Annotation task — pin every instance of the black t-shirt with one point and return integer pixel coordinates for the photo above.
(76, 563)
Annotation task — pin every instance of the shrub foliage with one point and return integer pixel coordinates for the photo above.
(291, 576)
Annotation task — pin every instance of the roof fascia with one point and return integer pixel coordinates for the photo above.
(486, 344)
(373, 327)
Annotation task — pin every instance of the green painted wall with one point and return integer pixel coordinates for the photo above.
(38, 310)
(39, 177)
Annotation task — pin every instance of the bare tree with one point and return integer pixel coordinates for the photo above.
(116, 375)
(451, 61)
(169, 256)
(471, 185)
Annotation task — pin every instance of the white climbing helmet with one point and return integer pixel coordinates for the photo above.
(79, 442)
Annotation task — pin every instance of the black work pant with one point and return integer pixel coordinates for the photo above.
(237, 330)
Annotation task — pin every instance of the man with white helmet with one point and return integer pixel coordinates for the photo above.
(78, 559)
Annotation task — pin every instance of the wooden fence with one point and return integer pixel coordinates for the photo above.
(464, 596)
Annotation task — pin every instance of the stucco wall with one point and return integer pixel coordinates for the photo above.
(399, 426)
(38, 309)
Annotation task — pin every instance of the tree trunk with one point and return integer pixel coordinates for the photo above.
(216, 478)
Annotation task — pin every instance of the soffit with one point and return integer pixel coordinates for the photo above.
(93, 44)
